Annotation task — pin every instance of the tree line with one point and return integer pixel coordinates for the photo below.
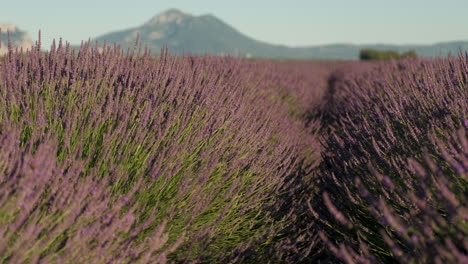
(373, 54)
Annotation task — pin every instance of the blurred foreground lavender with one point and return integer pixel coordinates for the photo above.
(123, 157)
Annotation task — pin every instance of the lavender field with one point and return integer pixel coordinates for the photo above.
(117, 156)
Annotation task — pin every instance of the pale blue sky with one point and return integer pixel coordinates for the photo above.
(293, 22)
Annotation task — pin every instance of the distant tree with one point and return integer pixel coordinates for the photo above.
(391, 54)
(368, 54)
(372, 54)
(409, 54)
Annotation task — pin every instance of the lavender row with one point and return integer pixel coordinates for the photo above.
(392, 184)
(117, 156)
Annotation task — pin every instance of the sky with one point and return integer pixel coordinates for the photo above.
(293, 22)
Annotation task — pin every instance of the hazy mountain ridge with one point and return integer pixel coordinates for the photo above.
(18, 38)
(185, 33)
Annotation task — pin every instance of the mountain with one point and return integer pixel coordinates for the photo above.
(19, 38)
(182, 32)
(185, 33)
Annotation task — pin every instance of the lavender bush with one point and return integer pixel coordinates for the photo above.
(392, 184)
(49, 214)
(183, 152)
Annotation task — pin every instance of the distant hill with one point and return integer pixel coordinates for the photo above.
(18, 38)
(182, 32)
(185, 33)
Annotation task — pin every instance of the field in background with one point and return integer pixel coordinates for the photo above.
(115, 157)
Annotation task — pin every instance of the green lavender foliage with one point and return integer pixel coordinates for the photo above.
(192, 144)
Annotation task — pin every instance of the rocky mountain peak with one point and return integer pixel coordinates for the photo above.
(169, 16)
(8, 27)
(19, 38)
